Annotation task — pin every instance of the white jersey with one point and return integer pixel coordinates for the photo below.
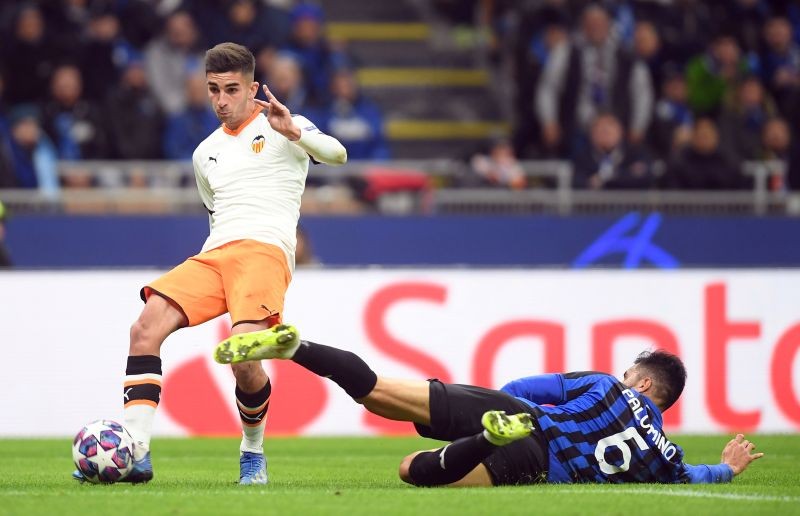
(251, 180)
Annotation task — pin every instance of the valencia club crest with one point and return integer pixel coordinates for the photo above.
(258, 143)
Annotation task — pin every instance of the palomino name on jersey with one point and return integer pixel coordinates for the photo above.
(667, 449)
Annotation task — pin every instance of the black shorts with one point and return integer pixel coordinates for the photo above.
(456, 412)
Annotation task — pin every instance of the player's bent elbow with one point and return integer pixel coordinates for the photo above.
(341, 157)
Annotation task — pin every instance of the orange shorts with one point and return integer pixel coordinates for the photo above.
(246, 278)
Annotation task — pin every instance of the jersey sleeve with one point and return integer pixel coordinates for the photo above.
(321, 147)
(203, 188)
(553, 389)
(706, 473)
(540, 389)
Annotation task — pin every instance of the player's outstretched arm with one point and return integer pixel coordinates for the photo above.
(321, 147)
(738, 454)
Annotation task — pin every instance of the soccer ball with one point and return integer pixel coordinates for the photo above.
(103, 452)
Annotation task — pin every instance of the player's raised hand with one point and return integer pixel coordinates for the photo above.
(278, 116)
(738, 454)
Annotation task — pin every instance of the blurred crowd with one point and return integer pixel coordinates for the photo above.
(124, 79)
(648, 93)
(641, 94)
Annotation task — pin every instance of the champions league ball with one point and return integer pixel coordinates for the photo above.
(103, 452)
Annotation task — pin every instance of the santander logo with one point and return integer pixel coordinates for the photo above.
(194, 400)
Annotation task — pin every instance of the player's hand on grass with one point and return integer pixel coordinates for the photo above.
(279, 116)
(738, 454)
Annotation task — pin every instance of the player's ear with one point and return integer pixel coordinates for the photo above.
(645, 384)
(253, 89)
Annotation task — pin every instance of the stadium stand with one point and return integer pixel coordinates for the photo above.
(427, 90)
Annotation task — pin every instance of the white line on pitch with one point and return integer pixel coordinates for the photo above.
(686, 494)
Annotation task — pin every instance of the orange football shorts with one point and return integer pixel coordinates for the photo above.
(246, 278)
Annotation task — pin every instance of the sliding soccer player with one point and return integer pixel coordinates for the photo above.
(559, 428)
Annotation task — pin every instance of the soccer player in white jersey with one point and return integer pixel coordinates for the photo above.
(251, 174)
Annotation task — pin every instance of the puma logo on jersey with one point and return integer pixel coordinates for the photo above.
(212, 158)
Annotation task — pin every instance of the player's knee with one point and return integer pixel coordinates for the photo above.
(142, 338)
(249, 375)
(405, 468)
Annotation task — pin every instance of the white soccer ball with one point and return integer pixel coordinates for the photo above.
(103, 452)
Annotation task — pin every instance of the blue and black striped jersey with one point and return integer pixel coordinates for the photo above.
(599, 430)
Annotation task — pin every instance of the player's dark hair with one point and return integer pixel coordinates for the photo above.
(230, 57)
(668, 373)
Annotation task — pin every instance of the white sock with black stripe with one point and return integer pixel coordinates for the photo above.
(141, 395)
(253, 409)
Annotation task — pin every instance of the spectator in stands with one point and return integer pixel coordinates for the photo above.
(647, 49)
(592, 75)
(31, 54)
(318, 57)
(610, 162)
(188, 128)
(623, 20)
(33, 155)
(742, 122)
(541, 30)
(105, 54)
(285, 81)
(171, 59)
(781, 65)
(5, 258)
(137, 120)
(746, 18)
(776, 141)
(254, 24)
(499, 168)
(712, 77)
(701, 165)
(673, 119)
(264, 58)
(74, 123)
(353, 119)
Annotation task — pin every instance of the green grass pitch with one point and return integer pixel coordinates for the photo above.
(358, 476)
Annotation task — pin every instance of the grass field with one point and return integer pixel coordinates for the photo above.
(355, 476)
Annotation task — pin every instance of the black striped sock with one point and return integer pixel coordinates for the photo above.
(141, 395)
(253, 407)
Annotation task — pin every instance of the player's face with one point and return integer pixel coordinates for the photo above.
(231, 97)
(637, 380)
(631, 377)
